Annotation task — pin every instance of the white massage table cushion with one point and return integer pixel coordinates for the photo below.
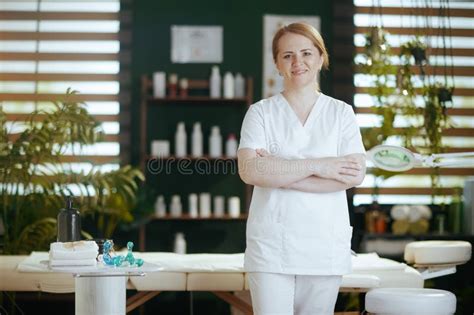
(438, 252)
(389, 272)
(410, 301)
(207, 281)
(14, 280)
(360, 281)
(195, 262)
(192, 272)
(160, 281)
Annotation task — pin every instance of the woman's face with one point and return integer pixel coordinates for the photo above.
(298, 61)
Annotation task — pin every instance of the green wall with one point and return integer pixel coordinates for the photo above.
(243, 34)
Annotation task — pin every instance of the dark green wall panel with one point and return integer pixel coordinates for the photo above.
(242, 22)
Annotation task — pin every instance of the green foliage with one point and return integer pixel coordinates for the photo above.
(34, 183)
(394, 94)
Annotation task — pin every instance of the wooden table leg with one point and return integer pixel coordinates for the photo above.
(234, 301)
(140, 298)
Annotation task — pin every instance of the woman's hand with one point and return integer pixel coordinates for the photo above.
(344, 169)
(262, 153)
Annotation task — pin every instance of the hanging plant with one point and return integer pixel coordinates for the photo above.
(395, 94)
(378, 65)
(435, 117)
(417, 49)
(445, 94)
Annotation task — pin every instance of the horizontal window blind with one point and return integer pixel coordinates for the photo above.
(448, 33)
(50, 45)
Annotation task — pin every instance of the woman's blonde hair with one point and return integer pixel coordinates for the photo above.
(307, 31)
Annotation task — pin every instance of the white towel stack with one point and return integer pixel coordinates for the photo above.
(82, 253)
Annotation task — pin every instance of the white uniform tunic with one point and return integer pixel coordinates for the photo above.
(289, 231)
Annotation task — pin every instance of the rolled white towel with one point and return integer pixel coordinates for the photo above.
(424, 210)
(415, 214)
(73, 250)
(400, 212)
(72, 262)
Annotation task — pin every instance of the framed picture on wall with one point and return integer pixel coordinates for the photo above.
(196, 44)
(272, 81)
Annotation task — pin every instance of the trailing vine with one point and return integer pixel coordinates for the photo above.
(394, 91)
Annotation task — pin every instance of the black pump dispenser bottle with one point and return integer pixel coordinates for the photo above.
(69, 223)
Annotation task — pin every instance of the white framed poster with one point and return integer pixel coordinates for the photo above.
(272, 82)
(196, 44)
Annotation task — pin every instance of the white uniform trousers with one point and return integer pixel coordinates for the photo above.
(282, 294)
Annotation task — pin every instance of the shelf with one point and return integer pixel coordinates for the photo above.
(156, 115)
(188, 218)
(197, 99)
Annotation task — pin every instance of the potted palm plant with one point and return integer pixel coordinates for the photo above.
(34, 183)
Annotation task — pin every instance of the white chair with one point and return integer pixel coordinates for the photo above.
(410, 301)
(432, 259)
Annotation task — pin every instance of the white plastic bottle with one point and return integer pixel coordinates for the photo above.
(239, 86)
(215, 143)
(215, 83)
(160, 206)
(193, 205)
(179, 244)
(176, 209)
(205, 205)
(180, 141)
(159, 84)
(231, 146)
(228, 85)
(196, 140)
(234, 207)
(219, 210)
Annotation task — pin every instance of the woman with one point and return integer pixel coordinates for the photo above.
(301, 150)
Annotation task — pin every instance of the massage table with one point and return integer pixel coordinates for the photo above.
(222, 274)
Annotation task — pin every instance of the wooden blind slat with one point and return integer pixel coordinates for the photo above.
(449, 111)
(404, 191)
(54, 97)
(106, 138)
(58, 56)
(455, 150)
(421, 31)
(58, 77)
(464, 52)
(94, 159)
(437, 70)
(453, 132)
(457, 91)
(92, 16)
(448, 171)
(57, 36)
(98, 36)
(24, 117)
(469, 13)
(445, 150)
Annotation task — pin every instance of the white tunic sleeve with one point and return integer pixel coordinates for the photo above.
(252, 134)
(351, 140)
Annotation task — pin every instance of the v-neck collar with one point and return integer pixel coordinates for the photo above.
(311, 114)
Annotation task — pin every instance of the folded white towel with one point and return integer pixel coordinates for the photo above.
(72, 262)
(73, 250)
(400, 212)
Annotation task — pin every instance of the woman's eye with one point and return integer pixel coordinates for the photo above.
(286, 56)
(307, 53)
